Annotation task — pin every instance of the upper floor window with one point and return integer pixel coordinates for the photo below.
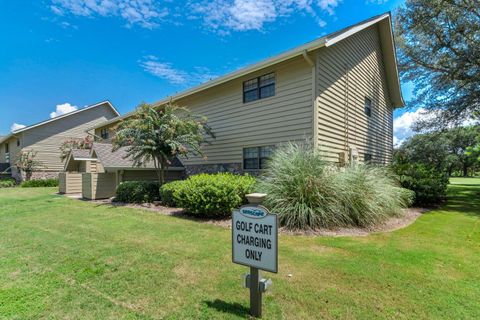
(6, 148)
(104, 134)
(18, 142)
(368, 107)
(259, 88)
(255, 158)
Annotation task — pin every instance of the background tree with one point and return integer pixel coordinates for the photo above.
(26, 163)
(159, 134)
(438, 43)
(71, 144)
(445, 151)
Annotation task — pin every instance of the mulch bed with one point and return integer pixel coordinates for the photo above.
(392, 224)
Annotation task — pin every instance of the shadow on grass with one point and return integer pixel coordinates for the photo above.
(228, 307)
(463, 198)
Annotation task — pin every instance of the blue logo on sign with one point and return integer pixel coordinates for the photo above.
(253, 212)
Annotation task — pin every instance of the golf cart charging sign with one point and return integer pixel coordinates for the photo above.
(255, 238)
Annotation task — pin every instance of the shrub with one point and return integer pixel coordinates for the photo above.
(306, 192)
(7, 183)
(137, 192)
(429, 185)
(39, 183)
(168, 193)
(214, 195)
(370, 194)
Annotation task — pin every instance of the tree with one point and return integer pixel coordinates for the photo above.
(72, 144)
(26, 162)
(459, 141)
(159, 134)
(445, 151)
(438, 42)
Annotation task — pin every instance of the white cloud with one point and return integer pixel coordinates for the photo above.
(224, 16)
(145, 13)
(16, 126)
(62, 109)
(166, 71)
(402, 125)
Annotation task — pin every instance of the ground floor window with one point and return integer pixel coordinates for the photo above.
(367, 158)
(255, 158)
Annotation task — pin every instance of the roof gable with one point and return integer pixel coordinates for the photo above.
(103, 103)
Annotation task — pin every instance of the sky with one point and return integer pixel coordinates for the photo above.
(60, 55)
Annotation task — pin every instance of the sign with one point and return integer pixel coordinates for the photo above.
(255, 238)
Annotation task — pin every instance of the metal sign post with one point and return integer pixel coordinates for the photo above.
(254, 244)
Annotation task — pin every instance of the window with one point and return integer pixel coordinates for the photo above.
(18, 142)
(256, 157)
(368, 107)
(6, 148)
(259, 88)
(367, 158)
(104, 134)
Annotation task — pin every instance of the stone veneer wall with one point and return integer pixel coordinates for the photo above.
(214, 168)
(37, 175)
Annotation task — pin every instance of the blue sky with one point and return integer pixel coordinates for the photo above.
(57, 55)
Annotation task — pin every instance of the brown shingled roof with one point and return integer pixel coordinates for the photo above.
(118, 158)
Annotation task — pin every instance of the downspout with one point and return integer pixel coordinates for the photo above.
(311, 63)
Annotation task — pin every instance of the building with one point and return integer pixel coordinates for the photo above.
(96, 173)
(45, 138)
(339, 91)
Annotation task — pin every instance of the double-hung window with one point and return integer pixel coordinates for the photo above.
(255, 158)
(368, 107)
(104, 134)
(259, 88)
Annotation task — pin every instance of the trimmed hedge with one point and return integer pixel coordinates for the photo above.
(39, 183)
(137, 192)
(168, 193)
(429, 185)
(209, 195)
(7, 183)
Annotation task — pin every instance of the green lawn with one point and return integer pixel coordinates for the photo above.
(68, 259)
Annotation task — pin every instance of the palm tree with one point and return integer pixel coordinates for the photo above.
(159, 134)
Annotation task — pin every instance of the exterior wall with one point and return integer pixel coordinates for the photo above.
(111, 132)
(350, 71)
(70, 182)
(13, 154)
(287, 116)
(150, 175)
(46, 139)
(236, 168)
(98, 185)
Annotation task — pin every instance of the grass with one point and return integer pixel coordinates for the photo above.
(67, 259)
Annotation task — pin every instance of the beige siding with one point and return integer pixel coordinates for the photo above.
(354, 66)
(13, 153)
(287, 116)
(150, 175)
(98, 185)
(70, 182)
(46, 139)
(111, 132)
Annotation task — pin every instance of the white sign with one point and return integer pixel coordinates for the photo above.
(255, 238)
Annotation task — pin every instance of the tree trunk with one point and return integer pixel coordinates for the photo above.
(162, 173)
(465, 170)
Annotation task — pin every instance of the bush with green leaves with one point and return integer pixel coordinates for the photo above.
(428, 184)
(307, 193)
(137, 192)
(39, 183)
(169, 193)
(7, 183)
(213, 195)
